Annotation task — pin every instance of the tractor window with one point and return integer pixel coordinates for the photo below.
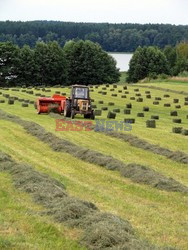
(81, 93)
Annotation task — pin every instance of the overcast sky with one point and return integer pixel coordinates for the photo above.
(114, 11)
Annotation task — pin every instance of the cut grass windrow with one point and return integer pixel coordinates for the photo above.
(135, 141)
(137, 173)
(98, 230)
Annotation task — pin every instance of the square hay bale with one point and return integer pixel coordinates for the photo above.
(126, 92)
(15, 89)
(140, 114)
(104, 108)
(176, 120)
(0, 93)
(176, 100)
(167, 105)
(26, 101)
(107, 85)
(111, 104)
(129, 120)
(112, 89)
(104, 88)
(111, 115)
(146, 109)
(148, 96)
(96, 87)
(124, 96)
(23, 90)
(177, 130)
(185, 103)
(132, 98)
(20, 99)
(48, 90)
(100, 102)
(6, 95)
(37, 94)
(140, 99)
(99, 92)
(154, 117)
(114, 95)
(147, 92)
(136, 90)
(120, 91)
(98, 112)
(92, 100)
(166, 95)
(29, 92)
(151, 124)
(186, 99)
(173, 113)
(155, 103)
(116, 110)
(63, 93)
(138, 94)
(184, 132)
(2, 101)
(124, 87)
(10, 101)
(104, 93)
(127, 111)
(57, 92)
(91, 90)
(43, 96)
(24, 105)
(178, 106)
(94, 106)
(158, 98)
(31, 102)
(129, 105)
(114, 86)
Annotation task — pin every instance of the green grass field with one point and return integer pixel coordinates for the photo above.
(156, 215)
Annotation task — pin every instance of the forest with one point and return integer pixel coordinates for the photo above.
(112, 37)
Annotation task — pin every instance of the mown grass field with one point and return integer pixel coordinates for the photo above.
(156, 215)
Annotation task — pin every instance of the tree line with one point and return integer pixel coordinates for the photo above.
(152, 62)
(112, 37)
(81, 62)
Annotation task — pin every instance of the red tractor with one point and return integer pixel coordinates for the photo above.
(78, 103)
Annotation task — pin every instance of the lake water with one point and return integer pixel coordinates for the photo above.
(122, 59)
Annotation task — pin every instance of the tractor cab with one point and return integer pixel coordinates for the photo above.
(80, 92)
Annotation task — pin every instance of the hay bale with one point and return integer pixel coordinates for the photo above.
(114, 86)
(104, 108)
(23, 90)
(185, 103)
(176, 100)
(20, 99)
(167, 105)
(31, 102)
(176, 120)
(140, 99)
(138, 94)
(0, 93)
(124, 96)
(116, 110)
(107, 85)
(177, 130)
(114, 95)
(166, 95)
(146, 109)
(154, 117)
(94, 106)
(111, 104)
(25, 105)
(173, 113)
(100, 92)
(178, 106)
(98, 112)
(112, 89)
(57, 92)
(124, 87)
(127, 111)
(120, 91)
(15, 89)
(37, 94)
(155, 103)
(2, 101)
(158, 98)
(126, 92)
(92, 100)
(104, 93)
(100, 102)
(29, 92)
(184, 132)
(104, 88)
(111, 115)
(48, 90)
(148, 96)
(150, 124)
(186, 99)
(129, 105)
(63, 93)
(140, 114)
(132, 98)
(136, 90)
(147, 92)
(26, 101)
(6, 95)
(10, 101)
(129, 120)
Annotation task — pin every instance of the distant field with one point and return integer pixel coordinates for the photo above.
(158, 215)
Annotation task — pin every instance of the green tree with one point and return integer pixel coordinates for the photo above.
(51, 67)
(8, 63)
(147, 62)
(89, 64)
(182, 57)
(171, 56)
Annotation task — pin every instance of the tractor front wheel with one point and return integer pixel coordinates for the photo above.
(67, 111)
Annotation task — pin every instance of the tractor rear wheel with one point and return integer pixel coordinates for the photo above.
(67, 111)
(92, 116)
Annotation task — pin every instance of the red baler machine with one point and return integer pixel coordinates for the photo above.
(47, 104)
